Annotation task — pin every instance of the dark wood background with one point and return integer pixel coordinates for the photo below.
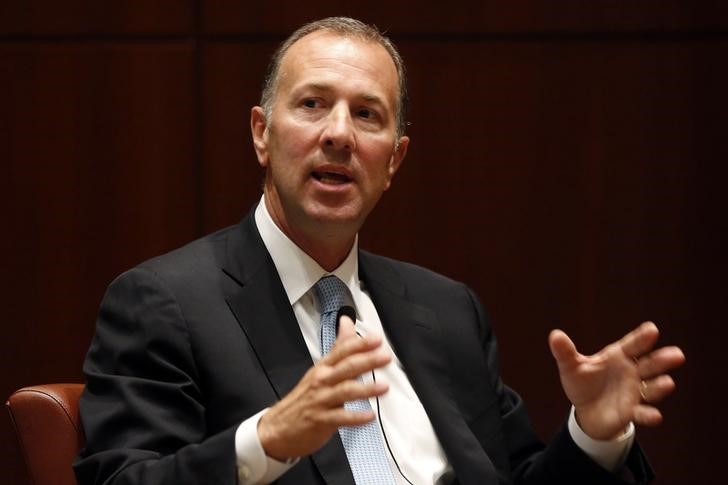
(566, 162)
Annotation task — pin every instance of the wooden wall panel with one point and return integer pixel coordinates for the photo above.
(99, 173)
(469, 17)
(232, 178)
(96, 17)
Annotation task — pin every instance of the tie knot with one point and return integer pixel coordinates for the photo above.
(331, 292)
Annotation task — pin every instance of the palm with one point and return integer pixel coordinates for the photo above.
(605, 388)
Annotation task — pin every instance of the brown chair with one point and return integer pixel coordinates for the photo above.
(49, 430)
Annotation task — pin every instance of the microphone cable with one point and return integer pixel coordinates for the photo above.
(351, 313)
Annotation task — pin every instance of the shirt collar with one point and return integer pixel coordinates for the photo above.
(297, 270)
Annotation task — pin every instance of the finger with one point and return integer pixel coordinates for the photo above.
(338, 417)
(660, 361)
(647, 415)
(657, 389)
(345, 346)
(640, 340)
(357, 364)
(352, 359)
(350, 390)
(563, 349)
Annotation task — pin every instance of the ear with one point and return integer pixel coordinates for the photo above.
(259, 130)
(400, 150)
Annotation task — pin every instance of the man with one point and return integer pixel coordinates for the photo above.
(201, 367)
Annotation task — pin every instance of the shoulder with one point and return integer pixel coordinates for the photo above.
(193, 267)
(418, 284)
(378, 267)
(200, 254)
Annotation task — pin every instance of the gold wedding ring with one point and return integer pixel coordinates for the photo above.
(643, 390)
(643, 383)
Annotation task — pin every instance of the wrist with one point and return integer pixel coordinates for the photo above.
(595, 428)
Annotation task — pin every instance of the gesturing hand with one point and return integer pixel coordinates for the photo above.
(306, 417)
(620, 383)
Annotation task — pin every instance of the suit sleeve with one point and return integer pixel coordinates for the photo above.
(143, 409)
(561, 461)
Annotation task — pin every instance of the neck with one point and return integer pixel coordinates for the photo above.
(328, 255)
(328, 246)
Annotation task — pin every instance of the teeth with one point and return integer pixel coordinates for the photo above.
(331, 177)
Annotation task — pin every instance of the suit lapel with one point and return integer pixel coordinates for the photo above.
(418, 337)
(258, 300)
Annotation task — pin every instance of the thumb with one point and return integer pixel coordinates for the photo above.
(346, 328)
(562, 348)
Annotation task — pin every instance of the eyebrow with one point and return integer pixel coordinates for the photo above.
(368, 97)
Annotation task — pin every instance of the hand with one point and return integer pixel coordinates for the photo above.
(618, 384)
(306, 417)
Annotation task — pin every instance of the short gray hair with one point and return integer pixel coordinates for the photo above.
(345, 27)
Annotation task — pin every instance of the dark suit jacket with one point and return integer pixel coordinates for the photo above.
(191, 343)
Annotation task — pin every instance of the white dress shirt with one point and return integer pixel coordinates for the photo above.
(414, 452)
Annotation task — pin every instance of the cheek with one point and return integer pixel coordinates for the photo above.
(292, 138)
(379, 160)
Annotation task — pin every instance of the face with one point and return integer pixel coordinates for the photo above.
(330, 148)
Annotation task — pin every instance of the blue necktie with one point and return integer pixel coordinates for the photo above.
(363, 444)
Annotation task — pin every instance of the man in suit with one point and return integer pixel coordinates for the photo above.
(208, 365)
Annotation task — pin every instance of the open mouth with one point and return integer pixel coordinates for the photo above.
(333, 178)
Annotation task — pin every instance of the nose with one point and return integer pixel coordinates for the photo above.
(339, 132)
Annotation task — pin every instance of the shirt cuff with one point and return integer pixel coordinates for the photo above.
(254, 466)
(610, 454)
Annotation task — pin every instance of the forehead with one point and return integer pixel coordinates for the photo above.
(330, 58)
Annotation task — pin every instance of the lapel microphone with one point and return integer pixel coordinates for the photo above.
(345, 310)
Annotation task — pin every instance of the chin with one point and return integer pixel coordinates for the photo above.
(342, 216)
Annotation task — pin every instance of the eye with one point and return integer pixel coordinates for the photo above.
(310, 103)
(366, 113)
